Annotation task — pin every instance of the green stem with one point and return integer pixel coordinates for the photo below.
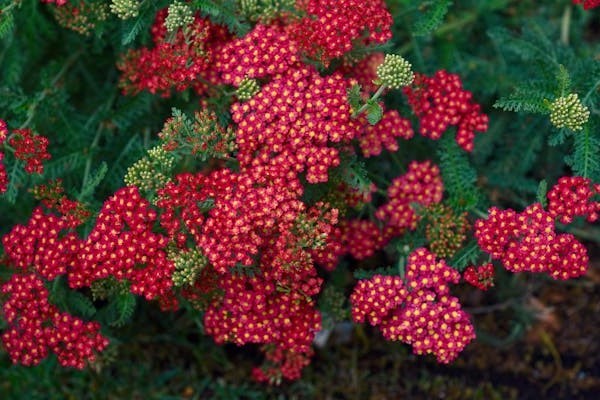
(88, 162)
(565, 25)
(373, 98)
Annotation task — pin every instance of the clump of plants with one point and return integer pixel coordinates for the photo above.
(270, 168)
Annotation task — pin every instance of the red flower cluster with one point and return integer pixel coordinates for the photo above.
(588, 4)
(257, 235)
(3, 175)
(265, 51)
(173, 64)
(52, 196)
(420, 312)
(35, 327)
(440, 101)
(481, 277)
(527, 241)
(122, 245)
(42, 244)
(572, 196)
(384, 134)
(365, 71)
(56, 2)
(332, 27)
(237, 219)
(421, 184)
(373, 299)
(288, 126)
(280, 364)
(30, 148)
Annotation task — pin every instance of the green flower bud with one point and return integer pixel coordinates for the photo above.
(395, 72)
(125, 9)
(188, 265)
(569, 112)
(247, 89)
(180, 15)
(151, 172)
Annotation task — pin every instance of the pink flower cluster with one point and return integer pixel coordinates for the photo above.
(573, 196)
(440, 101)
(527, 241)
(332, 27)
(35, 327)
(419, 311)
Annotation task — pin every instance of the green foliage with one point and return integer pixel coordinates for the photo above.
(374, 112)
(119, 310)
(369, 273)
(470, 254)
(584, 159)
(541, 193)
(223, 12)
(432, 17)
(458, 175)
(354, 97)
(7, 23)
(92, 181)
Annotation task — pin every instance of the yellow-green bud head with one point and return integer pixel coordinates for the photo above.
(179, 15)
(395, 72)
(125, 9)
(569, 112)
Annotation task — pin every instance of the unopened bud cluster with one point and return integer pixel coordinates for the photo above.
(188, 264)
(395, 72)
(180, 15)
(150, 172)
(264, 11)
(125, 9)
(569, 112)
(247, 89)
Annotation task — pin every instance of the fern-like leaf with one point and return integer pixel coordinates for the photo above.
(124, 306)
(584, 159)
(432, 18)
(458, 175)
(80, 304)
(90, 183)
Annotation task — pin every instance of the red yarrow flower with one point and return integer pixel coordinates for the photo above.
(3, 174)
(481, 277)
(527, 241)
(36, 327)
(440, 102)
(422, 184)
(419, 311)
(571, 197)
(30, 148)
(331, 27)
(588, 4)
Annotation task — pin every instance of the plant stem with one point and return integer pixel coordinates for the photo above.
(565, 25)
(373, 98)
